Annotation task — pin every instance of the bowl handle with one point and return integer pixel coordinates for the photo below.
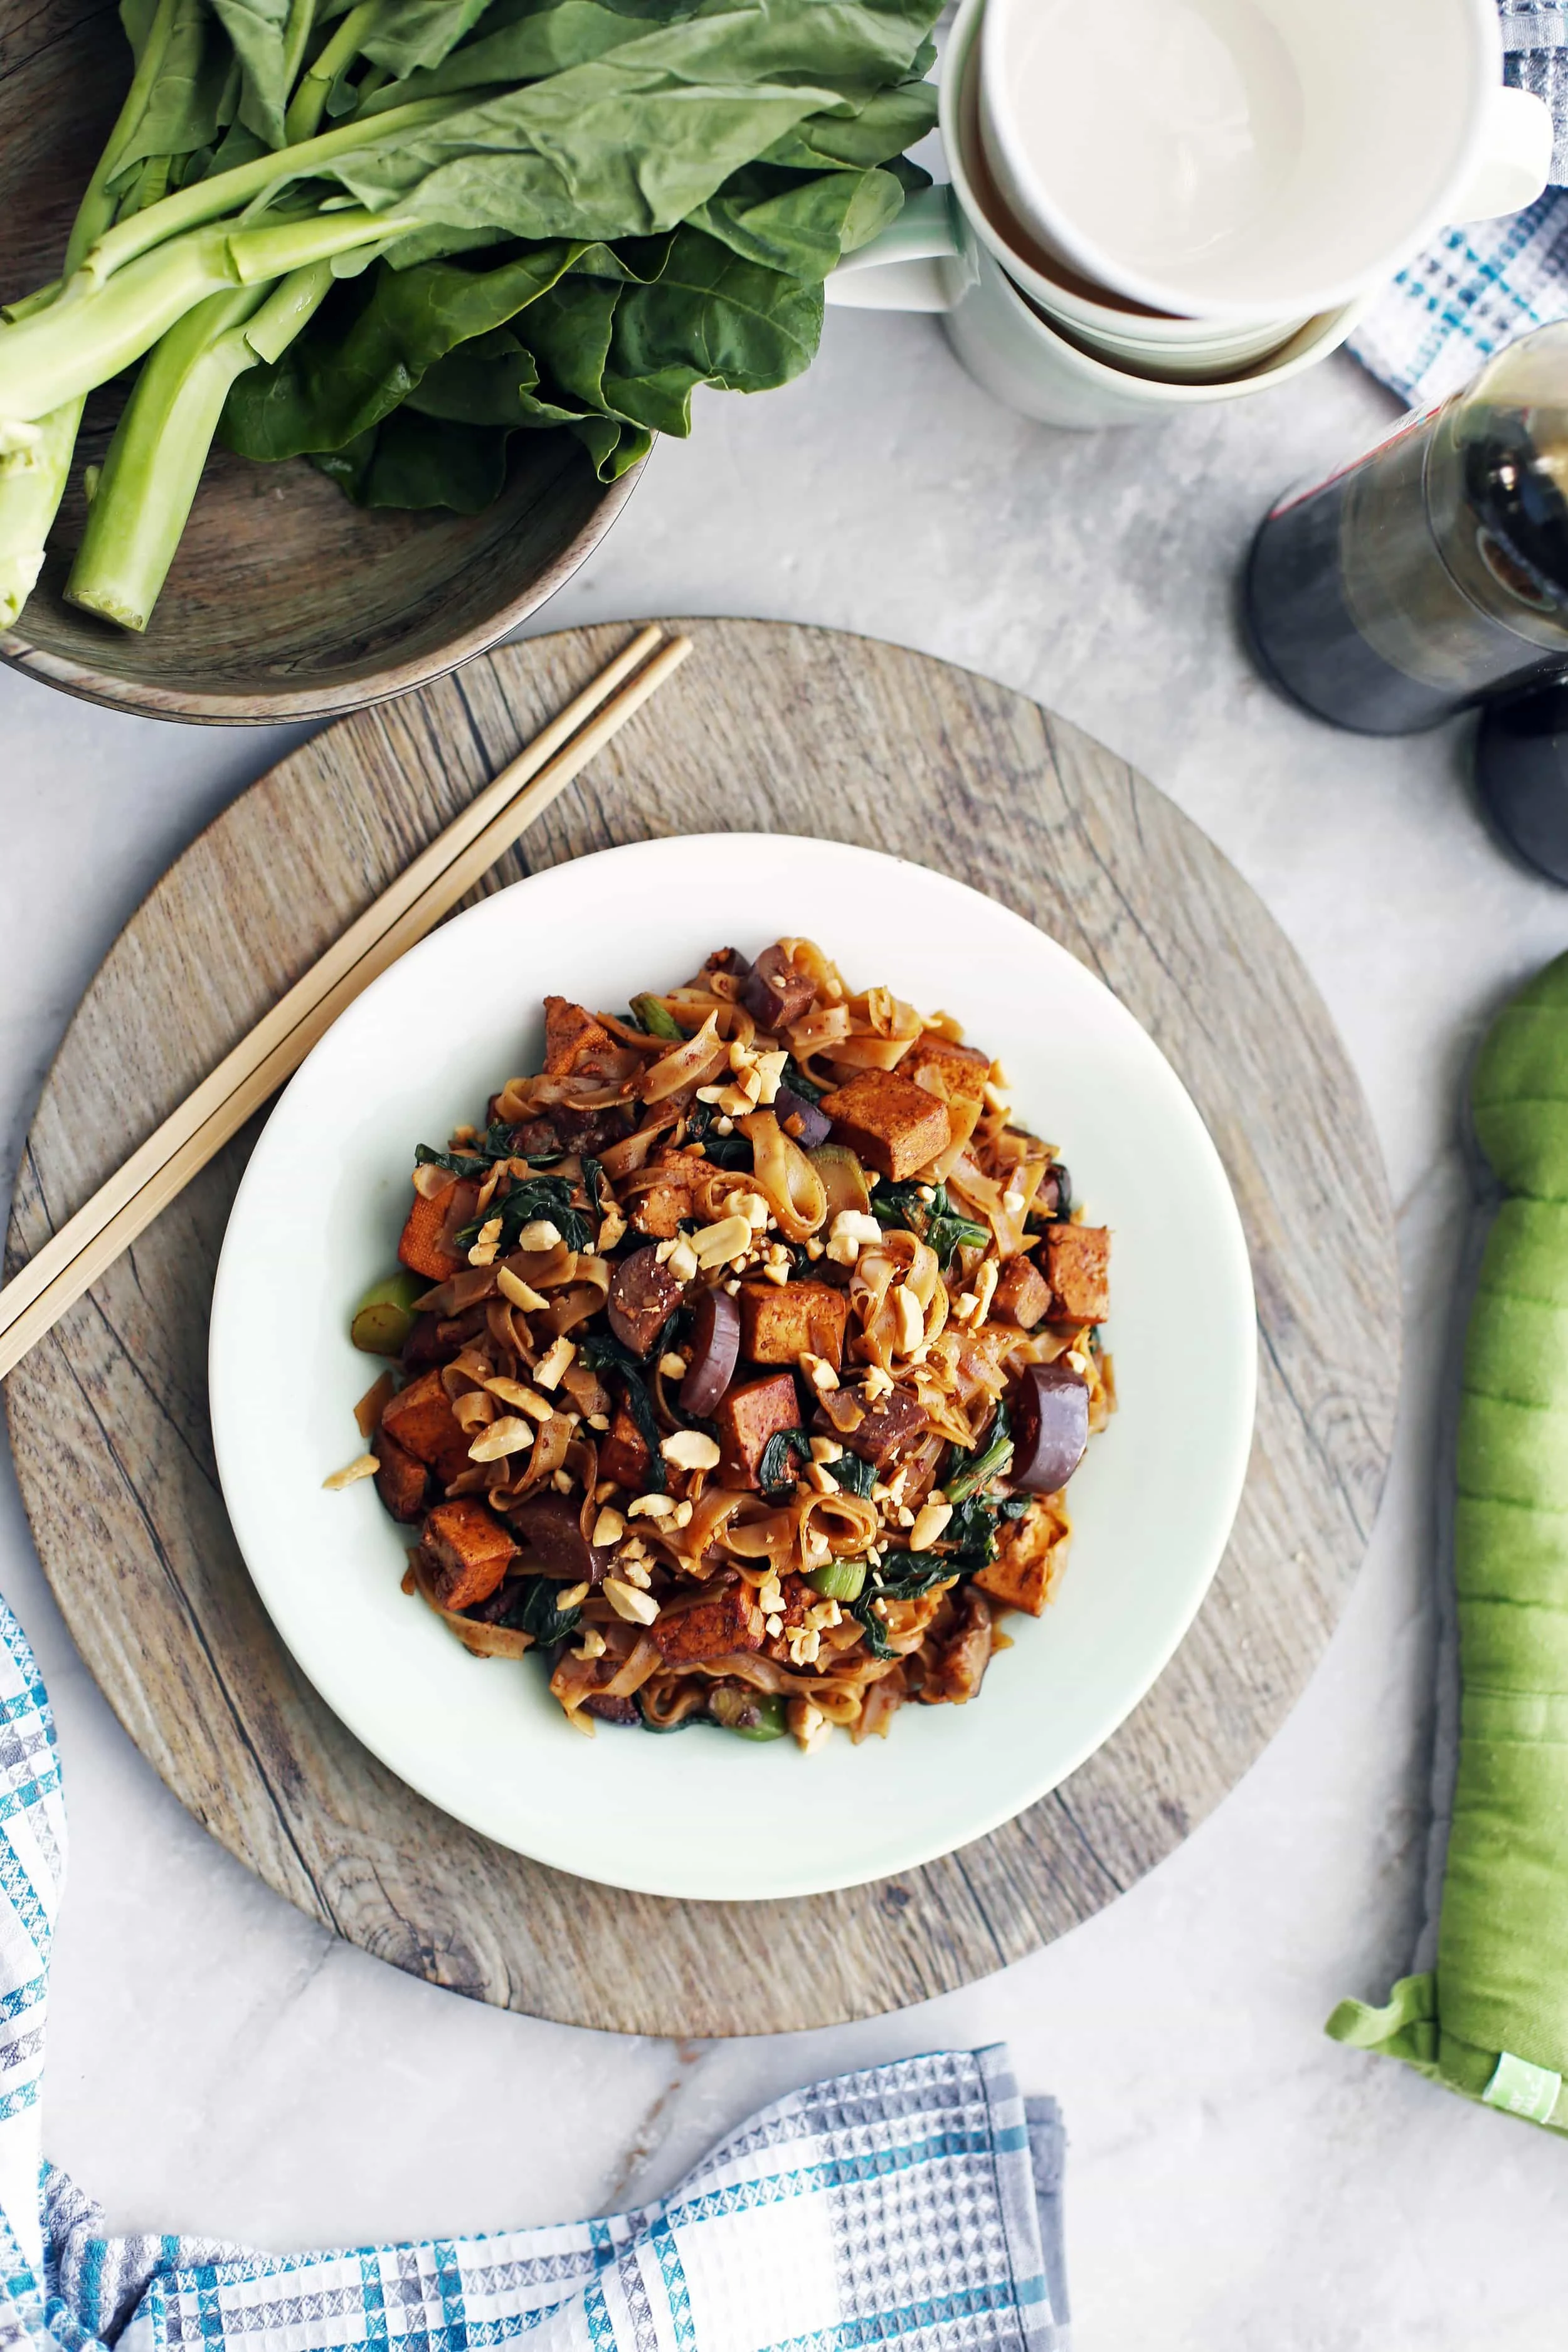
(1515, 160)
(905, 268)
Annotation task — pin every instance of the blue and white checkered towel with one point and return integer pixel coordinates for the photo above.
(1484, 286)
(916, 2205)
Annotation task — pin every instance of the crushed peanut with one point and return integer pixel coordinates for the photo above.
(506, 1435)
(878, 1384)
(591, 1644)
(775, 1273)
(809, 1725)
(636, 1608)
(634, 1572)
(483, 1252)
(820, 1478)
(814, 1248)
(541, 1235)
(562, 1481)
(612, 1230)
(818, 1371)
(803, 1647)
(691, 1449)
(549, 1368)
(775, 1625)
(852, 1230)
(672, 1366)
(930, 1521)
(912, 1318)
(770, 1594)
(520, 1293)
(599, 1421)
(682, 1260)
(608, 1528)
(827, 1449)
(715, 1244)
(650, 1507)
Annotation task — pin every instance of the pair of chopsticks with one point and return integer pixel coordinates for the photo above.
(72, 1259)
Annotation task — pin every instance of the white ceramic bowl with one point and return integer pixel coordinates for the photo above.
(702, 1814)
(1123, 333)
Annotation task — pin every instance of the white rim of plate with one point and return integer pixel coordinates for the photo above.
(714, 1879)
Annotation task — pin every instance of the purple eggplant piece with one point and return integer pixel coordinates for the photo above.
(1050, 1428)
(715, 1347)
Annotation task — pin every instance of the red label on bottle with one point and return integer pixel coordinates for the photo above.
(1411, 423)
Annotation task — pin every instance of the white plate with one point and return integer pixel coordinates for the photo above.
(702, 1814)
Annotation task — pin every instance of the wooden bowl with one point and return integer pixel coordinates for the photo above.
(284, 602)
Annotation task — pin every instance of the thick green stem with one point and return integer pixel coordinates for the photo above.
(95, 214)
(155, 460)
(230, 192)
(61, 354)
(29, 500)
(308, 102)
(296, 35)
(30, 494)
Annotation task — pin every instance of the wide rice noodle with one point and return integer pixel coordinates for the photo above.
(785, 1177)
(695, 1062)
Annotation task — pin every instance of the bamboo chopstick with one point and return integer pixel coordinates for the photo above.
(73, 1258)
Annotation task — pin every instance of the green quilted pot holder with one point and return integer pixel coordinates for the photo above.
(1490, 2019)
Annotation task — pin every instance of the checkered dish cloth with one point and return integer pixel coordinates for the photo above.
(917, 2205)
(1486, 285)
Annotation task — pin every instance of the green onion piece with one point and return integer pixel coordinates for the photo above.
(839, 1580)
(959, 1484)
(385, 1316)
(651, 1015)
(749, 1713)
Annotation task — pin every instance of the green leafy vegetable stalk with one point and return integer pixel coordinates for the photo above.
(534, 216)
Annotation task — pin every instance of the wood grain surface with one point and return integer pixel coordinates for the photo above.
(783, 729)
(285, 600)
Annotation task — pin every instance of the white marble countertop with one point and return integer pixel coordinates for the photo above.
(217, 2063)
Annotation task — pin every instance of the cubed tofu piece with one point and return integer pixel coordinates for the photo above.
(779, 1325)
(888, 1122)
(1078, 1267)
(570, 1035)
(469, 1550)
(963, 1069)
(1022, 1294)
(746, 1419)
(1031, 1553)
(401, 1478)
(624, 1455)
(713, 1627)
(425, 1247)
(658, 1212)
(420, 1419)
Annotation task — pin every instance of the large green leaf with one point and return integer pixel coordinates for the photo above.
(257, 29)
(410, 35)
(192, 98)
(370, 346)
(635, 140)
(708, 318)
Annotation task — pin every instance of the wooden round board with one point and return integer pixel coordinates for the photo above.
(770, 728)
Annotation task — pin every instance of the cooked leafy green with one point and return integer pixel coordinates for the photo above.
(602, 1353)
(537, 1613)
(540, 1198)
(936, 1221)
(856, 1476)
(785, 1446)
(966, 1473)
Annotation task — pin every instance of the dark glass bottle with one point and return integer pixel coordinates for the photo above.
(1522, 772)
(1432, 572)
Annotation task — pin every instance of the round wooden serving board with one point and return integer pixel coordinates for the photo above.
(774, 729)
